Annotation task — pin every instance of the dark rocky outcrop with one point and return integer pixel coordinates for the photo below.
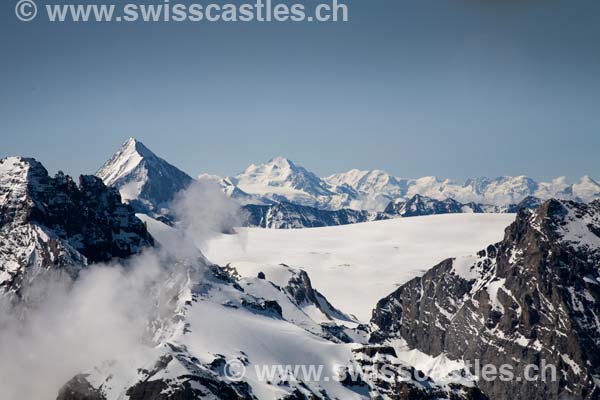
(391, 379)
(422, 205)
(53, 222)
(286, 215)
(202, 384)
(79, 388)
(419, 205)
(299, 288)
(533, 298)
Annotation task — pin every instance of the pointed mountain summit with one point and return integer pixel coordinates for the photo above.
(144, 180)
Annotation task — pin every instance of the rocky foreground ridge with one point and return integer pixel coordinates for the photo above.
(534, 296)
(52, 222)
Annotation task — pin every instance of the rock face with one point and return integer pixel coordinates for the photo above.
(79, 388)
(145, 181)
(533, 298)
(529, 202)
(404, 382)
(290, 216)
(50, 222)
(301, 292)
(421, 205)
(198, 384)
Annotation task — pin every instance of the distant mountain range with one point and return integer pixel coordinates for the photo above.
(149, 183)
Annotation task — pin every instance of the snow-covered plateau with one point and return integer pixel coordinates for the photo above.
(353, 265)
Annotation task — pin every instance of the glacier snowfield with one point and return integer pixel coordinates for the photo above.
(356, 265)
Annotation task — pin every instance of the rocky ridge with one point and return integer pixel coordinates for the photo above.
(52, 222)
(293, 216)
(533, 297)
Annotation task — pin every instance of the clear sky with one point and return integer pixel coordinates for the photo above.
(416, 87)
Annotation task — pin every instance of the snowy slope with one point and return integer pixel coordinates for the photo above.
(354, 265)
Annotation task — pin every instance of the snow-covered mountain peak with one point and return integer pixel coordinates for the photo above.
(126, 159)
(586, 188)
(144, 180)
(575, 223)
(277, 169)
(282, 162)
(560, 181)
(367, 189)
(587, 180)
(9, 163)
(14, 167)
(135, 145)
(428, 180)
(19, 167)
(281, 177)
(522, 180)
(20, 179)
(365, 180)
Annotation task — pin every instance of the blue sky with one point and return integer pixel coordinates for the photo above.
(416, 87)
